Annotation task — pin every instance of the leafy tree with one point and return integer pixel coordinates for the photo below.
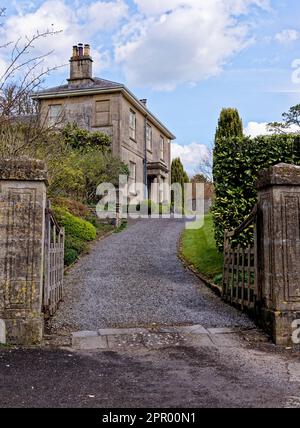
(229, 124)
(292, 117)
(200, 178)
(79, 138)
(178, 174)
(87, 162)
(229, 129)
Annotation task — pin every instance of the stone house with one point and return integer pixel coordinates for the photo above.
(139, 138)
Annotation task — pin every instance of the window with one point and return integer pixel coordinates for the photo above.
(149, 137)
(102, 113)
(132, 177)
(55, 112)
(162, 148)
(132, 125)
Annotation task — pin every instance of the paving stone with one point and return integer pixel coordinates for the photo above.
(121, 331)
(203, 340)
(83, 334)
(226, 340)
(222, 330)
(124, 341)
(170, 330)
(88, 340)
(193, 329)
(158, 340)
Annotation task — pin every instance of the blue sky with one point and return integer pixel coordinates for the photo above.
(190, 58)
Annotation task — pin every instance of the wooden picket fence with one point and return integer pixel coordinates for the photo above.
(240, 276)
(54, 263)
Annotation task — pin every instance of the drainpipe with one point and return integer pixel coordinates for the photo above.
(146, 160)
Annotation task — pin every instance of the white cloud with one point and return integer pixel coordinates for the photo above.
(101, 16)
(164, 44)
(78, 24)
(178, 41)
(191, 155)
(254, 129)
(156, 7)
(287, 36)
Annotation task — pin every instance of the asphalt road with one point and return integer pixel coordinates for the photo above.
(171, 377)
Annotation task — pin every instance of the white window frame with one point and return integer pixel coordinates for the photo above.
(149, 137)
(132, 124)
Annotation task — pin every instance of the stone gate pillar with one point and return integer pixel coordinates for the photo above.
(22, 214)
(279, 250)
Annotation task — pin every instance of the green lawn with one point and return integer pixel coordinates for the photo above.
(199, 249)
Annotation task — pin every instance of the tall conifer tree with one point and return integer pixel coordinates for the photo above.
(229, 125)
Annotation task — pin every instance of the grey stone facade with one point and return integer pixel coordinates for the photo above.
(109, 107)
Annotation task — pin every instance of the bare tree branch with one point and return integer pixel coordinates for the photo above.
(291, 118)
(22, 129)
(205, 166)
(18, 54)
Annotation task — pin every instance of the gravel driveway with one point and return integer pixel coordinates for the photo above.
(134, 278)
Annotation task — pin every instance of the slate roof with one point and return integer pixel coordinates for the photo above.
(97, 84)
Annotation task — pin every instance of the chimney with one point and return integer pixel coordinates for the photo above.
(87, 50)
(144, 101)
(81, 66)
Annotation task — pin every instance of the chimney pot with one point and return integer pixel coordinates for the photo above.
(87, 50)
(80, 49)
(75, 51)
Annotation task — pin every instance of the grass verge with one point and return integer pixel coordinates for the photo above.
(198, 249)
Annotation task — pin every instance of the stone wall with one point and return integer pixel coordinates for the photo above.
(278, 235)
(22, 214)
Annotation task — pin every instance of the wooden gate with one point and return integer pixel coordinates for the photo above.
(54, 263)
(240, 276)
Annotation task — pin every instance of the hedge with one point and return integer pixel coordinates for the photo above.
(78, 233)
(237, 163)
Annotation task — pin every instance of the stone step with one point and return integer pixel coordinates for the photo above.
(129, 338)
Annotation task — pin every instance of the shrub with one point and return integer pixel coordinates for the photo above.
(74, 207)
(73, 248)
(87, 161)
(76, 244)
(79, 138)
(237, 163)
(71, 256)
(75, 226)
